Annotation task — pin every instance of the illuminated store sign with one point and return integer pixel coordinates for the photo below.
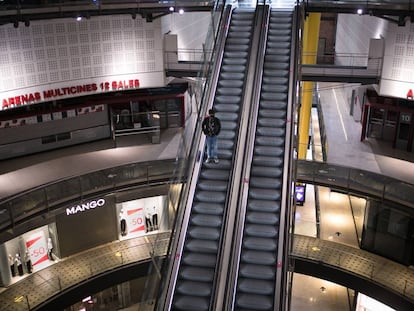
(85, 206)
(75, 90)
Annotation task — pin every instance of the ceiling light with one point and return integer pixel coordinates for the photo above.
(360, 11)
(181, 11)
(79, 18)
(171, 9)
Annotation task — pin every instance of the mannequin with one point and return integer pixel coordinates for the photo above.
(123, 223)
(28, 262)
(12, 268)
(155, 218)
(19, 265)
(49, 248)
(148, 219)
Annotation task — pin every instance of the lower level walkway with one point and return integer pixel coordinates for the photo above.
(37, 287)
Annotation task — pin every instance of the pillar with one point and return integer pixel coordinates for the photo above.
(309, 54)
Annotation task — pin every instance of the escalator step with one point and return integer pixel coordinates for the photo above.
(205, 233)
(257, 272)
(264, 231)
(233, 68)
(269, 151)
(212, 185)
(254, 302)
(274, 96)
(267, 161)
(202, 246)
(275, 81)
(227, 99)
(253, 286)
(200, 260)
(208, 208)
(265, 182)
(231, 83)
(260, 244)
(229, 91)
(215, 174)
(258, 258)
(197, 274)
(270, 141)
(188, 303)
(263, 218)
(278, 122)
(266, 172)
(270, 131)
(273, 89)
(273, 104)
(206, 220)
(272, 113)
(264, 206)
(263, 194)
(227, 116)
(194, 288)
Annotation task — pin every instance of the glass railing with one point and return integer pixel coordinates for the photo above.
(356, 181)
(360, 263)
(23, 207)
(26, 4)
(188, 147)
(365, 5)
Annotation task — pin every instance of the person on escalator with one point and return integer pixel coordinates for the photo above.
(211, 127)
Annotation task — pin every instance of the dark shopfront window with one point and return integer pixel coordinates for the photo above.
(170, 109)
(388, 232)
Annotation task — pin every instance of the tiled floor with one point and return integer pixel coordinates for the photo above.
(41, 285)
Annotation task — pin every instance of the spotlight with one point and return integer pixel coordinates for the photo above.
(360, 11)
(27, 23)
(16, 24)
(79, 18)
(171, 9)
(181, 11)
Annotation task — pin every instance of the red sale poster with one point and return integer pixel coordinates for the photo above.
(135, 220)
(36, 245)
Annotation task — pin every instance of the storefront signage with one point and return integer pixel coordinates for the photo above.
(73, 90)
(85, 206)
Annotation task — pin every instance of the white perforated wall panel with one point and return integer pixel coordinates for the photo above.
(397, 74)
(63, 53)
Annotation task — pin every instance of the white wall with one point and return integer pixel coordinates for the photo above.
(353, 35)
(397, 74)
(191, 29)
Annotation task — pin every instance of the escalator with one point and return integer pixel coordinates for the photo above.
(258, 273)
(200, 257)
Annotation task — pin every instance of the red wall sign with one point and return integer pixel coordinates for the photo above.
(32, 98)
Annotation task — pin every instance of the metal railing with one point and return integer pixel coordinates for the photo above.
(62, 276)
(356, 181)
